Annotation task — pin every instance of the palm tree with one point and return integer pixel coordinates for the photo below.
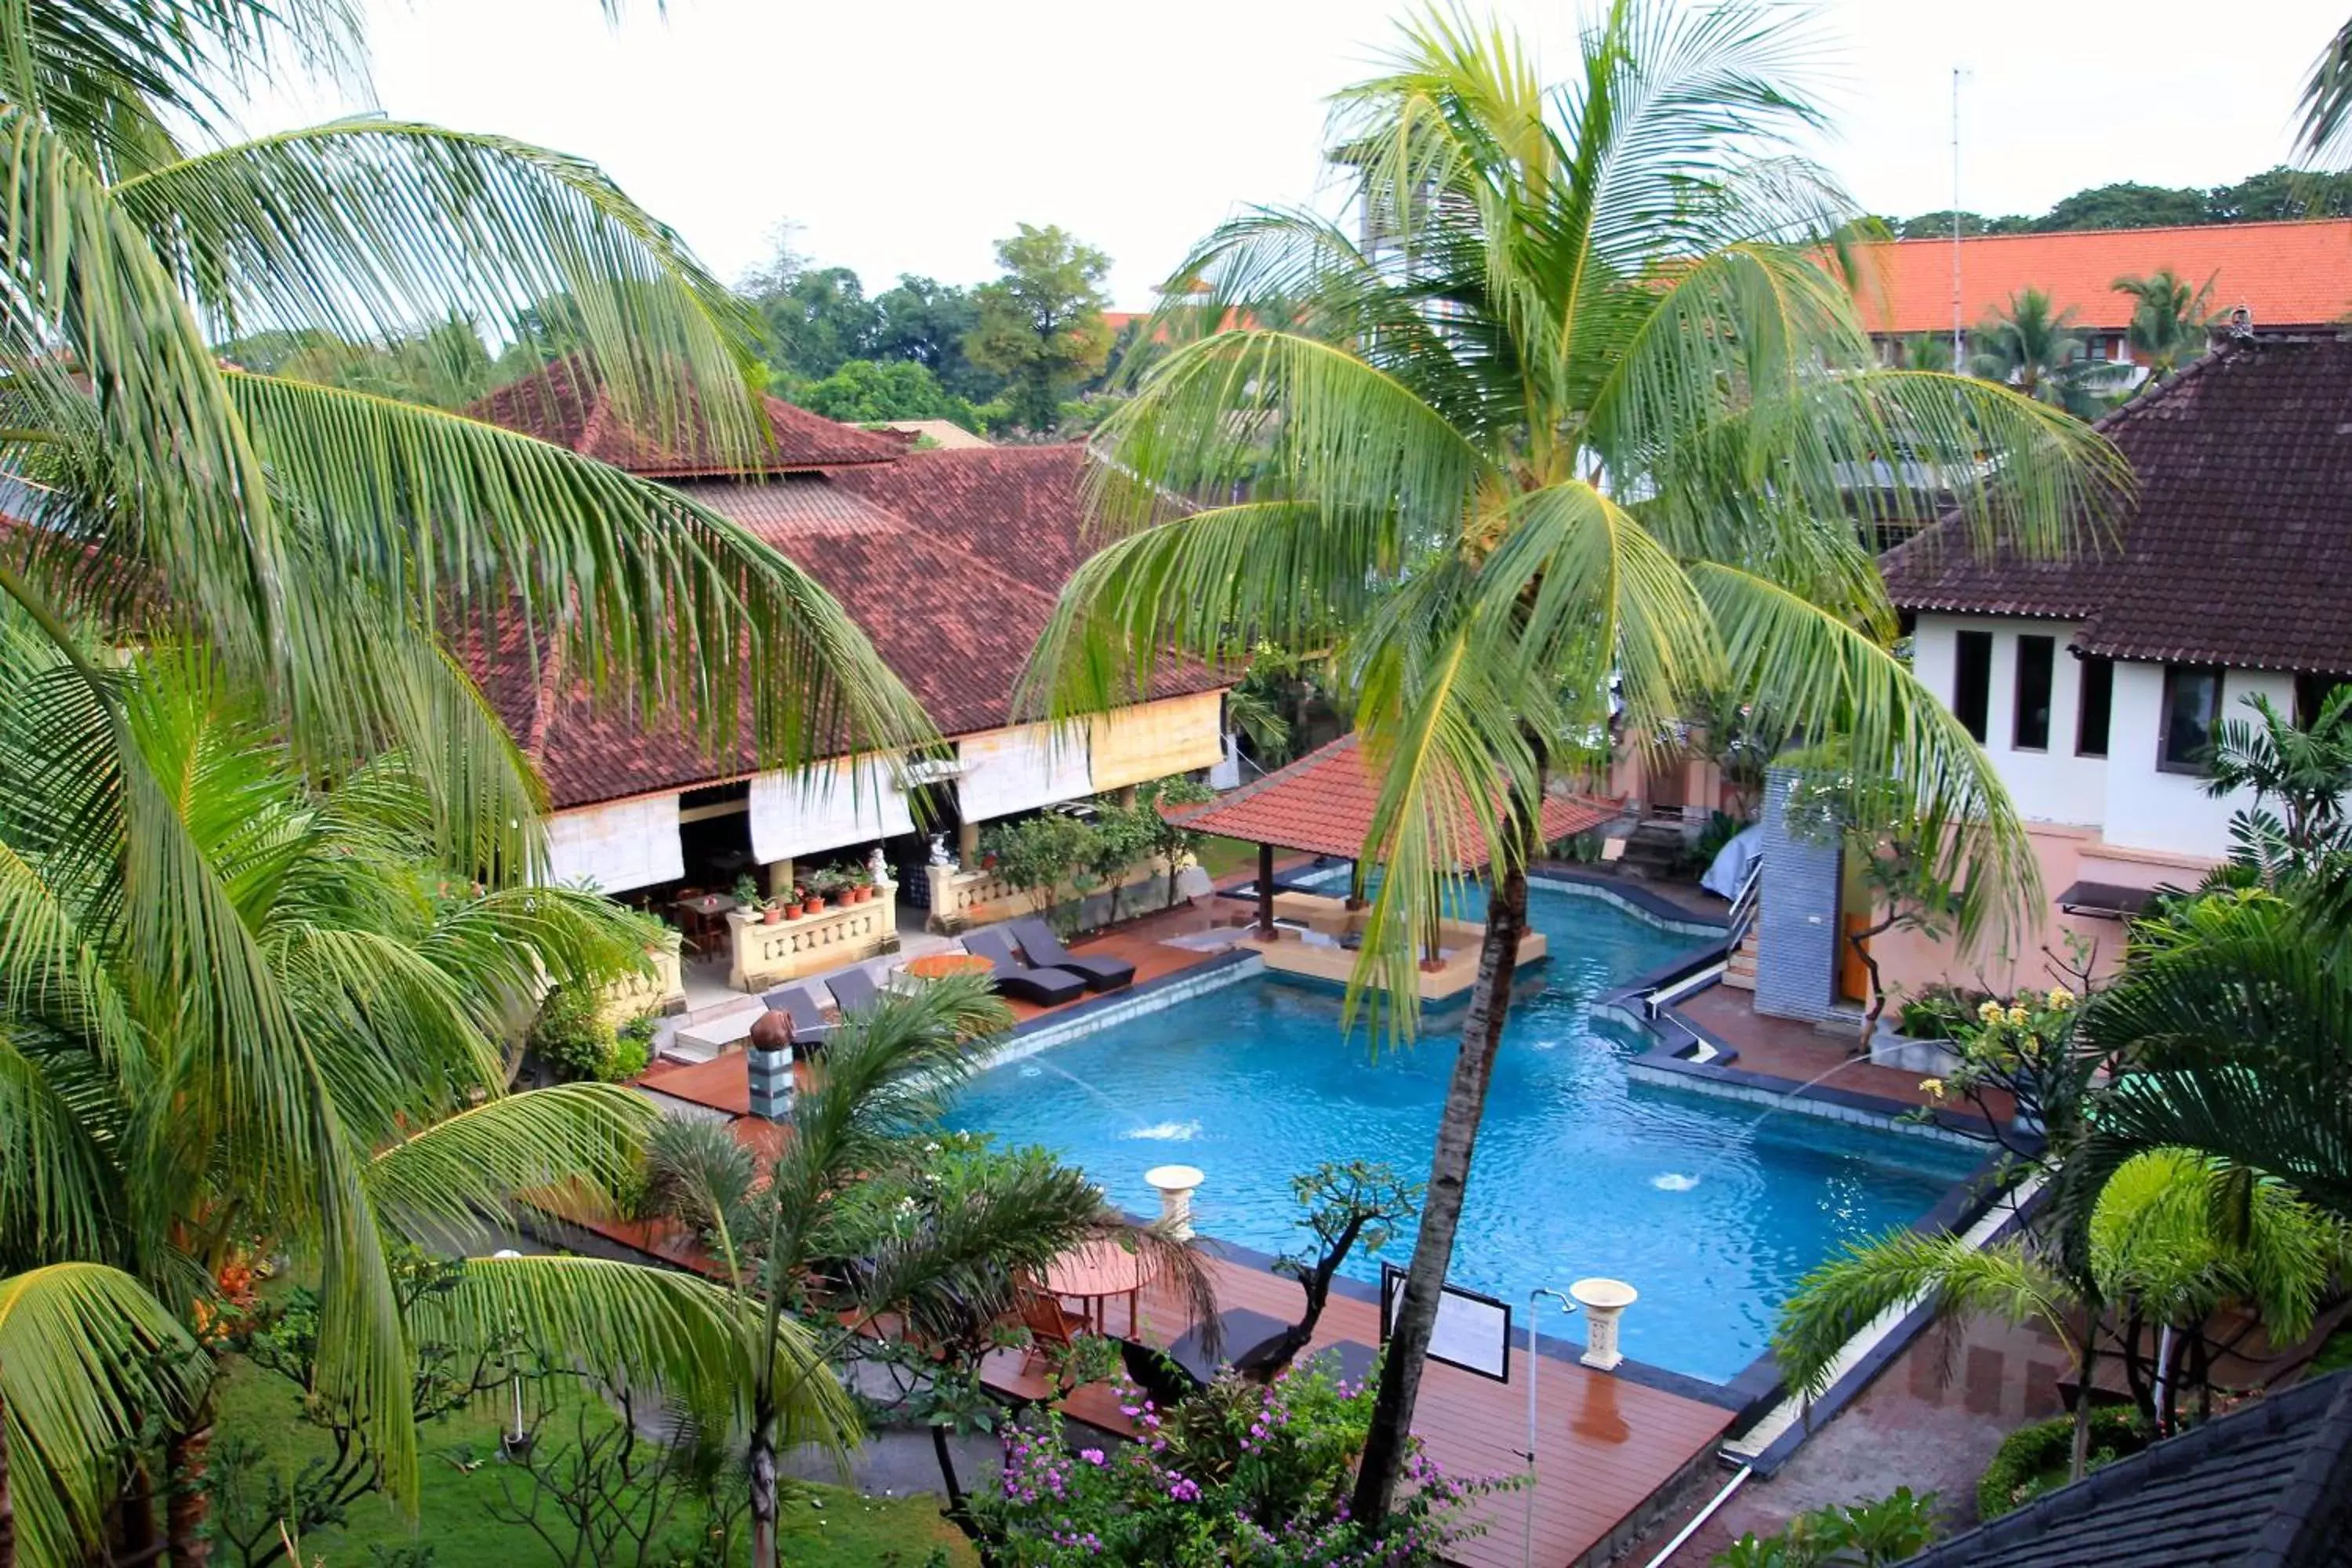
(2305, 768)
(845, 1222)
(2168, 319)
(2032, 348)
(240, 1005)
(1590, 405)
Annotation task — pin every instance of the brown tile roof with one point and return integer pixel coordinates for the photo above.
(1021, 508)
(566, 404)
(2289, 274)
(1324, 802)
(954, 627)
(2238, 549)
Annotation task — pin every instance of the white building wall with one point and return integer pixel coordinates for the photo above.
(2050, 785)
(2170, 813)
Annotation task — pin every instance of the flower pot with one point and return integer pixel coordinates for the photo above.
(859, 895)
(770, 915)
(792, 911)
(815, 904)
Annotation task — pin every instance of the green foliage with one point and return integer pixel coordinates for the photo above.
(572, 1038)
(1939, 1013)
(2299, 771)
(2033, 1459)
(1037, 854)
(2170, 320)
(1864, 1534)
(1040, 325)
(2265, 197)
(1242, 1474)
(869, 392)
(2032, 346)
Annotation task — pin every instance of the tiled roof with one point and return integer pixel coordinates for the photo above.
(1020, 507)
(954, 627)
(1323, 804)
(2269, 1486)
(2237, 547)
(2289, 274)
(567, 404)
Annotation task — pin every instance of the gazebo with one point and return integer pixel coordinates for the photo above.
(1323, 804)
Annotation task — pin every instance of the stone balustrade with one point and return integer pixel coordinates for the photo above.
(963, 899)
(660, 988)
(763, 955)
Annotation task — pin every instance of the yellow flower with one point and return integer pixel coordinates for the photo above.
(1989, 1012)
(2061, 998)
(2020, 1016)
(1933, 1088)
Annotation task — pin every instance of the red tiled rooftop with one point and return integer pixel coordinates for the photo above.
(1323, 804)
(2288, 274)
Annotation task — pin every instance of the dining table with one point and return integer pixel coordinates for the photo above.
(699, 913)
(1095, 1273)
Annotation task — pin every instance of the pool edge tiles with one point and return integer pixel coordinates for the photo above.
(1099, 1013)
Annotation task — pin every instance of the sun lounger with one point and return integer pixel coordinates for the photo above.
(853, 992)
(810, 1026)
(1042, 948)
(1046, 987)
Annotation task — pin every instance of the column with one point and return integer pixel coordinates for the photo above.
(1266, 891)
(968, 846)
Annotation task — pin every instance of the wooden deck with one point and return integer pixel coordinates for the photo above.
(1606, 1444)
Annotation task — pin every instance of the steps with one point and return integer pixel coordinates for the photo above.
(711, 1031)
(1653, 851)
(1739, 970)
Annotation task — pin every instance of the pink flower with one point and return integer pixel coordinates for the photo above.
(1091, 1455)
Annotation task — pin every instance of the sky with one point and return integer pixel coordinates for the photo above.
(910, 137)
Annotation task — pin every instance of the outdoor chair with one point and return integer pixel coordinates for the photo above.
(1042, 948)
(853, 992)
(1046, 987)
(811, 1029)
(1050, 1325)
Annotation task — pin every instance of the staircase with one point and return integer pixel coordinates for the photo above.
(1653, 851)
(1739, 971)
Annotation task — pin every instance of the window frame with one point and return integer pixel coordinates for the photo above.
(1962, 641)
(2082, 705)
(2018, 706)
(2172, 676)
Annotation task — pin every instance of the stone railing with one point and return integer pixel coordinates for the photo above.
(963, 899)
(764, 954)
(660, 989)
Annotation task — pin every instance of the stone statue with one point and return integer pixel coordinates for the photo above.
(940, 856)
(877, 864)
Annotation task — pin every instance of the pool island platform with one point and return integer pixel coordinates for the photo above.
(1313, 940)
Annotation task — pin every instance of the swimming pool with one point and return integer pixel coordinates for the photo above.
(1709, 1212)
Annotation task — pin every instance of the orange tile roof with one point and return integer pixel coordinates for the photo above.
(2290, 274)
(1324, 802)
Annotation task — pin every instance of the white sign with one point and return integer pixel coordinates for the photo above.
(1472, 1332)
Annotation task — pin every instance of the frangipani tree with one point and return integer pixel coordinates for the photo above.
(1583, 393)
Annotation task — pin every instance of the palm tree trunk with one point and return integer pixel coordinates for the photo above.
(187, 1509)
(763, 1497)
(2078, 1461)
(1449, 1182)
(7, 1507)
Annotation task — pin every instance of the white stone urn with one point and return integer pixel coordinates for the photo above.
(1176, 1184)
(1604, 1302)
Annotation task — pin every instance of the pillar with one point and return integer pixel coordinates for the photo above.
(1176, 1184)
(1355, 886)
(968, 846)
(779, 877)
(1266, 891)
(1604, 1302)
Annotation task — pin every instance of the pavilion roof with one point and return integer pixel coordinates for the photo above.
(1323, 804)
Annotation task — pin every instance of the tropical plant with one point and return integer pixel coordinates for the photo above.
(1040, 325)
(2034, 348)
(1923, 351)
(1514, 446)
(2299, 773)
(1168, 837)
(2325, 134)
(248, 1012)
(2170, 320)
(1358, 1202)
(846, 1221)
(1884, 1530)
(1038, 853)
(2033, 1459)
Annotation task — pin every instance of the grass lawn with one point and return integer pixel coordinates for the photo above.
(824, 1527)
(1222, 858)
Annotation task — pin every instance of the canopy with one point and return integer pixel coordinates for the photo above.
(1323, 804)
(830, 805)
(1010, 770)
(615, 847)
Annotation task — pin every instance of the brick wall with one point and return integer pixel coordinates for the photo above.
(1796, 916)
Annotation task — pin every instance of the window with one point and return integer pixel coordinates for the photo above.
(2311, 694)
(2098, 702)
(2029, 729)
(1972, 682)
(2192, 712)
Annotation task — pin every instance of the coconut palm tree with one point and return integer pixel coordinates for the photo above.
(802, 1231)
(2034, 348)
(2168, 319)
(243, 1010)
(1587, 404)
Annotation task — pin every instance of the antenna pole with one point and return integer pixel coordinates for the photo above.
(1960, 350)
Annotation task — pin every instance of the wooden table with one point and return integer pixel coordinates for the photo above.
(1096, 1272)
(704, 910)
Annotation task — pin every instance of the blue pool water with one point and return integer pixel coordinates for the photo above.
(1711, 1214)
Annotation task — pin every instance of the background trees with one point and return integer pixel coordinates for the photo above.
(2168, 319)
(2032, 347)
(1041, 323)
(2268, 196)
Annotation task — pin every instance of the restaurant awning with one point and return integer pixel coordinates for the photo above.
(2103, 901)
(1323, 804)
(618, 846)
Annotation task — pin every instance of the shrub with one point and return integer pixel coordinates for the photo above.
(572, 1040)
(633, 1048)
(1866, 1534)
(2032, 1459)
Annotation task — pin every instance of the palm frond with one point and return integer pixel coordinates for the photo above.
(577, 1140)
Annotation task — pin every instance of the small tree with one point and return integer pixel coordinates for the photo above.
(1358, 1202)
(1172, 841)
(1040, 324)
(1038, 854)
(1119, 836)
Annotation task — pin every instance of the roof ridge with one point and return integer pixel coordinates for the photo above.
(2131, 229)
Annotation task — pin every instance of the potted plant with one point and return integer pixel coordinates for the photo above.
(746, 892)
(795, 902)
(819, 884)
(861, 885)
(771, 911)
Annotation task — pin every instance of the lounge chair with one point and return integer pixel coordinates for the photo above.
(1046, 987)
(810, 1027)
(1042, 947)
(853, 992)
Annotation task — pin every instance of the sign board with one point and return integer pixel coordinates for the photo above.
(1472, 1332)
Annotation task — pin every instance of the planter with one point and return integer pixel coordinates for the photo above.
(861, 895)
(793, 911)
(770, 915)
(814, 905)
